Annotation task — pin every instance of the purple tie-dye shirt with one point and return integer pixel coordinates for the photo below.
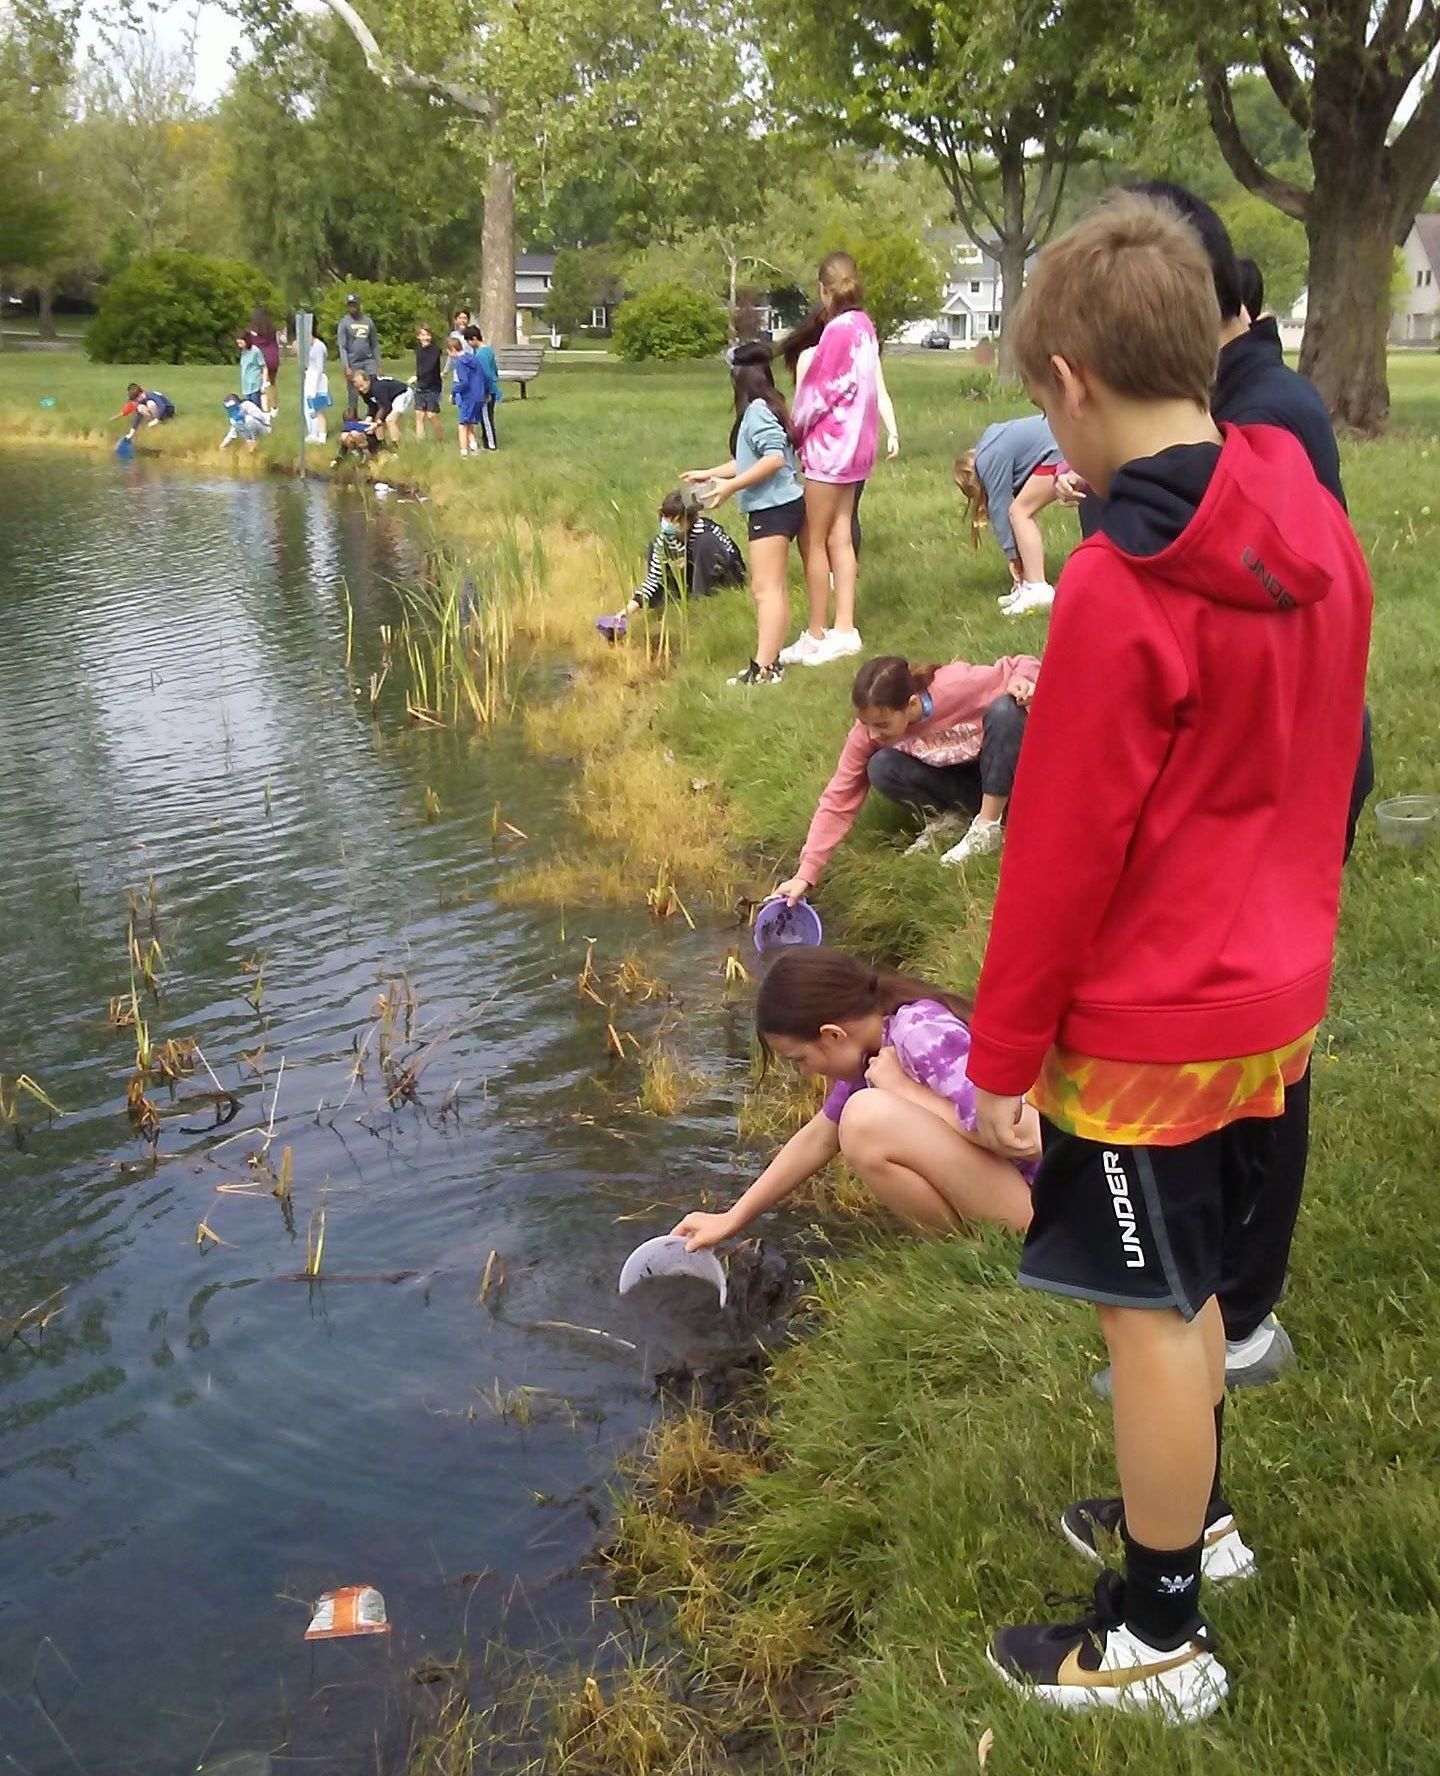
(932, 1045)
(836, 411)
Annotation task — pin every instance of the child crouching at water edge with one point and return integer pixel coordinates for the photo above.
(691, 556)
(900, 1107)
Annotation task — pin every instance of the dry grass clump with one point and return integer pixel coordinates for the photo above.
(668, 1083)
(636, 1725)
(685, 1459)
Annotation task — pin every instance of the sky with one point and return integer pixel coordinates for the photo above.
(217, 36)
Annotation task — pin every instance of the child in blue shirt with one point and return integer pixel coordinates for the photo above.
(484, 356)
(764, 475)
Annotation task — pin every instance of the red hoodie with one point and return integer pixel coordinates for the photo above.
(1171, 879)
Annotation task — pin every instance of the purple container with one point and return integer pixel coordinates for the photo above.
(613, 628)
(777, 925)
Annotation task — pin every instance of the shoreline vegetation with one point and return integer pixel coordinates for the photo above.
(832, 1559)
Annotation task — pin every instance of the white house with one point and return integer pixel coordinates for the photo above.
(1416, 320)
(970, 310)
(533, 273)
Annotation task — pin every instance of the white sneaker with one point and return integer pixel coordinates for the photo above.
(1032, 595)
(801, 650)
(936, 832)
(1006, 599)
(983, 839)
(837, 645)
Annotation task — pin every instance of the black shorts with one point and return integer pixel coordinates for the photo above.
(776, 521)
(427, 400)
(1153, 1226)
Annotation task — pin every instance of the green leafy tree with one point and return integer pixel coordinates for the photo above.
(396, 309)
(38, 215)
(1001, 99)
(583, 279)
(669, 322)
(177, 308)
(1274, 241)
(1356, 80)
(899, 277)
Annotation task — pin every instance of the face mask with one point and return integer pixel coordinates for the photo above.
(669, 528)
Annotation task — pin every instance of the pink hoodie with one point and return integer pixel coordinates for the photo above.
(836, 410)
(949, 735)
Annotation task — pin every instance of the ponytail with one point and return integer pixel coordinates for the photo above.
(976, 498)
(804, 989)
(889, 683)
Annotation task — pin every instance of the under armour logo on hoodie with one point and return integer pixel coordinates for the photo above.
(1284, 600)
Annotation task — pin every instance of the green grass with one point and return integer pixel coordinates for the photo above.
(927, 1435)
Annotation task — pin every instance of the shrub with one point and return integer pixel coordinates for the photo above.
(396, 309)
(177, 308)
(670, 321)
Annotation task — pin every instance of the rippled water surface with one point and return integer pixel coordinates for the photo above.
(201, 1442)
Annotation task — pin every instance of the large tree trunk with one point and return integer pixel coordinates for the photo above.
(1352, 261)
(1011, 244)
(497, 246)
(47, 311)
(1350, 220)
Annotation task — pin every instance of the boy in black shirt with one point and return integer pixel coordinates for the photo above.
(426, 384)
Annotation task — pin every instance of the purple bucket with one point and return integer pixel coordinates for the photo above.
(778, 925)
(613, 628)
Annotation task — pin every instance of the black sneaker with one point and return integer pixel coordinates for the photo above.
(756, 674)
(1255, 1361)
(1098, 1662)
(1092, 1527)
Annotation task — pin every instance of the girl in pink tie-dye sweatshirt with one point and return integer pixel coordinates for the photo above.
(837, 420)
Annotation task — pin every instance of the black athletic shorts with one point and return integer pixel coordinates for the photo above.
(1151, 1226)
(427, 400)
(776, 521)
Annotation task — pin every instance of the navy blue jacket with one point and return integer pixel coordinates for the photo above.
(1255, 386)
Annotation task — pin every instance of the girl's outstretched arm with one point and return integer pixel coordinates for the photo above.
(800, 1158)
(721, 472)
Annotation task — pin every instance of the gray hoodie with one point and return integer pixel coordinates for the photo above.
(1007, 455)
(358, 342)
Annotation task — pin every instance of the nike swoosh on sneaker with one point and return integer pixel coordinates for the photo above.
(1073, 1674)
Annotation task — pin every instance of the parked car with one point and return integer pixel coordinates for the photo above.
(938, 341)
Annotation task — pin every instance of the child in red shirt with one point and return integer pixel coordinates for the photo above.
(1162, 941)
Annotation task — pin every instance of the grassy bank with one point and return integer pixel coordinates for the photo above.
(922, 1442)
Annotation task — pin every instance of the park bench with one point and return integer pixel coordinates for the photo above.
(519, 363)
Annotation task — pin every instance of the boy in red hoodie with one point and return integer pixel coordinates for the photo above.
(1163, 934)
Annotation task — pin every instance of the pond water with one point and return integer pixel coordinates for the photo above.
(203, 1441)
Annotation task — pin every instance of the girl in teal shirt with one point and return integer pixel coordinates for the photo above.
(763, 476)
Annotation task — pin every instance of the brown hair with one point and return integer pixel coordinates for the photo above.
(977, 501)
(680, 506)
(804, 988)
(1128, 295)
(889, 683)
(751, 376)
(840, 284)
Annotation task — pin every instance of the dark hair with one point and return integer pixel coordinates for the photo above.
(1214, 237)
(751, 376)
(680, 506)
(133, 391)
(461, 311)
(804, 988)
(474, 333)
(1252, 287)
(260, 321)
(889, 683)
(841, 282)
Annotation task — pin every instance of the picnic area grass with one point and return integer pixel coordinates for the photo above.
(922, 1441)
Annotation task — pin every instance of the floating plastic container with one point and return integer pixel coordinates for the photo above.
(1409, 819)
(778, 924)
(125, 449)
(667, 1256)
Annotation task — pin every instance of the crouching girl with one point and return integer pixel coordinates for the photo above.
(944, 740)
(900, 1107)
(691, 556)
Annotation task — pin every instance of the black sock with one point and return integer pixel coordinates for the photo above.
(1162, 1592)
(1218, 1506)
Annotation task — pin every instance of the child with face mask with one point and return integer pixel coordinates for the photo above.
(691, 556)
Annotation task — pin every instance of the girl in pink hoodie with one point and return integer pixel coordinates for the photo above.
(944, 739)
(837, 421)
